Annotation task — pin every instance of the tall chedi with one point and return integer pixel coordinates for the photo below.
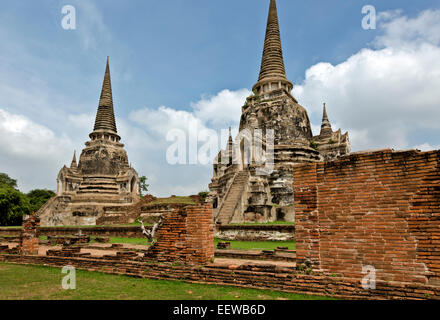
(238, 191)
(102, 184)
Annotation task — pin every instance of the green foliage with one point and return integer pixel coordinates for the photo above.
(203, 195)
(39, 197)
(143, 183)
(6, 181)
(313, 145)
(13, 205)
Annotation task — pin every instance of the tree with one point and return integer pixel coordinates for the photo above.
(5, 180)
(143, 183)
(39, 197)
(13, 205)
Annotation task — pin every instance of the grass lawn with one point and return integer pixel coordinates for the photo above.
(258, 245)
(39, 282)
(142, 241)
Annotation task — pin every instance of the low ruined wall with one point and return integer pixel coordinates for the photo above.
(246, 276)
(256, 232)
(186, 235)
(379, 209)
(123, 232)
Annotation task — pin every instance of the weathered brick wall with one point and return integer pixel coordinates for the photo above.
(246, 276)
(258, 232)
(375, 208)
(186, 235)
(100, 231)
(29, 242)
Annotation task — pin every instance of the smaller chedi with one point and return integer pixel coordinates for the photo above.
(102, 183)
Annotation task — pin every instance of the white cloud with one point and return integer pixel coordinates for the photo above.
(426, 147)
(214, 112)
(30, 152)
(402, 31)
(25, 138)
(221, 109)
(383, 95)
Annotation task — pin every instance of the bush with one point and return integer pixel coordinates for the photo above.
(39, 197)
(13, 205)
(203, 195)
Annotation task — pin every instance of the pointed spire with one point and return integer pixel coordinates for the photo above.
(272, 71)
(230, 146)
(272, 64)
(105, 117)
(73, 165)
(326, 127)
(324, 114)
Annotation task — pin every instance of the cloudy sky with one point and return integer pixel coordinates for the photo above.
(176, 63)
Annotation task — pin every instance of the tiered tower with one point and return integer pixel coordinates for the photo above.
(239, 192)
(102, 182)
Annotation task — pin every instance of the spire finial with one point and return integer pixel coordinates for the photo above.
(324, 113)
(326, 127)
(272, 69)
(73, 164)
(105, 117)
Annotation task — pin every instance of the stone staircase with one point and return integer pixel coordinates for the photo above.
(232, 197)
(98, 186)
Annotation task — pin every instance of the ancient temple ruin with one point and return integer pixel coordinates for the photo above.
(102, 182)
(239, 191)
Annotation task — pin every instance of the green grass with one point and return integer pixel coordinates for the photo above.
(258, 245)
(20, 282)
(142, 241)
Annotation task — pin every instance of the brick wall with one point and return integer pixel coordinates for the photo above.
(375, 208)
(29, 242)
(186, 235)
(100, 231)
(246, 276)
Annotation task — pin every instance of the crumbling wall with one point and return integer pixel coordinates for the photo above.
(29, 242)
(186, 235)
(379, 209)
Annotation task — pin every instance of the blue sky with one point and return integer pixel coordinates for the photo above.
(182, 54)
